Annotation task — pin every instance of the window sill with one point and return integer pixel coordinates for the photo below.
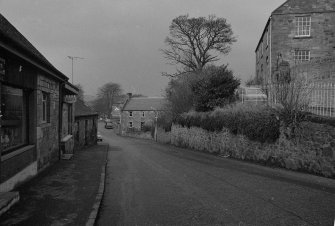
(16, 152)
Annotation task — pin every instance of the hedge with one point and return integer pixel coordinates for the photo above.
(257, 122)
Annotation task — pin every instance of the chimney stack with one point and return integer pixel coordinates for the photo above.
(129, 95)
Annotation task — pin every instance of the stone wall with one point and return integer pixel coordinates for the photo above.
(311, 151)
(320, 43)
(283, 40)
(136, 118)
(85, 131)
(47, 144)
(138, 134)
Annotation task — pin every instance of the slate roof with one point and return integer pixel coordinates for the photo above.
(305, 6)
(145, 104)
(81, 109)
(11, 37)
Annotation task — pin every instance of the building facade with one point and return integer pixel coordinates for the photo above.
(32, 94)
(139, 112)
(86, 126)
(297, 32)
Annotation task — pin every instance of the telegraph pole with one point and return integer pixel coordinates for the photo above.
(72, 58)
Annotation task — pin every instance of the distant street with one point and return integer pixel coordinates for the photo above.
(154, 184)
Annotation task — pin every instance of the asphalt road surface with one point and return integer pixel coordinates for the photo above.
(154, 184)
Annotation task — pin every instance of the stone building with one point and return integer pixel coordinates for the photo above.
(33, 96)
(299, 32)
(86, 122)
(140, 111)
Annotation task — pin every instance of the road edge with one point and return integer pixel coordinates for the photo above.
(98, 198)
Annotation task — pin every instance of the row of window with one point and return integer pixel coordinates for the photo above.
(131, 114)
(303, 26)
(131, 124)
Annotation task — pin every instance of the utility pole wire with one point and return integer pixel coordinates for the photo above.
(72, 58)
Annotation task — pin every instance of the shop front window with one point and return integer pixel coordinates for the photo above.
(13, 130)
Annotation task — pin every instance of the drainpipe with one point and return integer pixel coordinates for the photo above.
(270, 37)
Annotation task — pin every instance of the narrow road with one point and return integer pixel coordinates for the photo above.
(154, 184)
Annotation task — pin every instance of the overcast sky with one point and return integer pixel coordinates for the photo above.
(120, 39)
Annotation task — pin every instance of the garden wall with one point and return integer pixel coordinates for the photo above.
(312, 150)
(141, 135)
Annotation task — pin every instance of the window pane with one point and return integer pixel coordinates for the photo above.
(303, 26)
(13, 120)
(302, 55)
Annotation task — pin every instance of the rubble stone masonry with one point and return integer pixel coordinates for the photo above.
(47, 145)
(283, 40)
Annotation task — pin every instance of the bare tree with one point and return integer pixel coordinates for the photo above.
(108, 95)
(80, 95)
(291, 95)
(195, 42)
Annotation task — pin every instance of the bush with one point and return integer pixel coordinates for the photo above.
(258, 122)
(216, 88)
(147, 128)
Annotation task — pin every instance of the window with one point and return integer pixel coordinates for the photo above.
(130, 114)
(301, 55)
(303, 26)
(13, 131)
(45, 107)
(267, 38)
(143, 113)
(130, 124)
(142, 125)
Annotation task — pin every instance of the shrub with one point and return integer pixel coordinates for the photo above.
(255, 122)
(147, 128)
(216, 88)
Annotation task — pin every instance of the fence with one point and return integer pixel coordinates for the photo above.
(322, 99)
(317, 97)
(312, 81)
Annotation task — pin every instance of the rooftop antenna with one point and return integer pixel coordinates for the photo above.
(72, 58)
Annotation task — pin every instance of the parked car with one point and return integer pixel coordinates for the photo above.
(109, 125)
(254, 94)
(99, 137)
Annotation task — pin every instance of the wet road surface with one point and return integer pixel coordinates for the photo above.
(154, 184)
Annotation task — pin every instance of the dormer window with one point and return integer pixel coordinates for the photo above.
(303, 26)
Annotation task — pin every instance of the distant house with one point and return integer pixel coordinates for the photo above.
(298, 32)
(36, 119)
(85, 125)
(140, 111)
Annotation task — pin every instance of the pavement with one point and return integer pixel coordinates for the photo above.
(155, 184)
(67, 193)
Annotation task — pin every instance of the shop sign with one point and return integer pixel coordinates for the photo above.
(70, 99)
